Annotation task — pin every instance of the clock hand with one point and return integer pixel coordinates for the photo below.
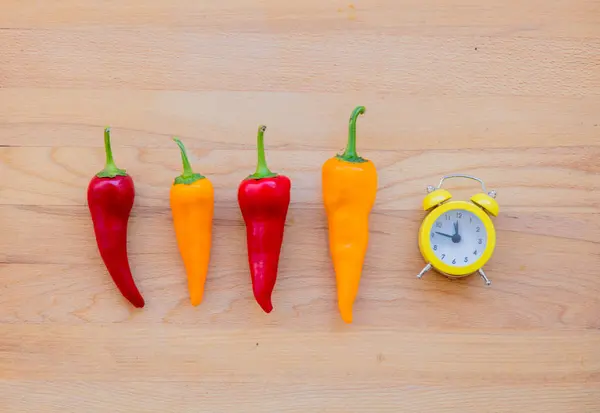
(444, 235)
(456, 237)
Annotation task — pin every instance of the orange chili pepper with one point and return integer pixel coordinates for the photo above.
(192, 205)
(349, 189)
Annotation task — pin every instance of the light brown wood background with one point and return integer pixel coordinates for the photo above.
(508, 90)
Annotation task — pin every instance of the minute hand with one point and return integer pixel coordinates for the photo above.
(456, 237)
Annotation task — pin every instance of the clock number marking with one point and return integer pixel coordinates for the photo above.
(435, 247)
(466, 259)
(443, 256)
(447, 217)
(479, 241)
(438, 224)
(454, 261)
(478, 229)
(459, 215)
(475, 252)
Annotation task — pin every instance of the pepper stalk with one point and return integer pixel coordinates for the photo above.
(188, 176)
(350, 154)
(110, 169)
(262, 170)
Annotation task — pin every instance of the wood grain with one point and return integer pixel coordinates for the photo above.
(505, 90)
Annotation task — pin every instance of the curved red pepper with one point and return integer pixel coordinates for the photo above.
(110, 199)
(264, 198)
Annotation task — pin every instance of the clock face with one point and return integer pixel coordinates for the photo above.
(458, 238)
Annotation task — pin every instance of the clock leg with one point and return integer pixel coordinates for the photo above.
(486, 279)
(424, 270)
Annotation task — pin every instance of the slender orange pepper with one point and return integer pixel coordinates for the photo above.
(349, 189)
(192, 205)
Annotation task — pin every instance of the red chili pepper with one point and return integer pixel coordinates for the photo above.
(110, 199)
(264, 198)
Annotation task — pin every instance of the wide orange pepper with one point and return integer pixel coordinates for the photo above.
(192, 205)
(349, 189)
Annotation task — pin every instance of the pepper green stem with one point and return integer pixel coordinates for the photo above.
(350, 154)
(262, 170)
(188, 176)
(110, 169)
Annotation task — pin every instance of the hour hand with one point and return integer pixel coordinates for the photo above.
(444, 235)
(456, 228)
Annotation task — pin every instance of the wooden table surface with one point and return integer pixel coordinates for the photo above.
(506, 90)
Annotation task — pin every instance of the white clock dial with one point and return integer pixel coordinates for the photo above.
(458, 238)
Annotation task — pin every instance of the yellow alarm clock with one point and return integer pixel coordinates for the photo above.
(457, 238)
